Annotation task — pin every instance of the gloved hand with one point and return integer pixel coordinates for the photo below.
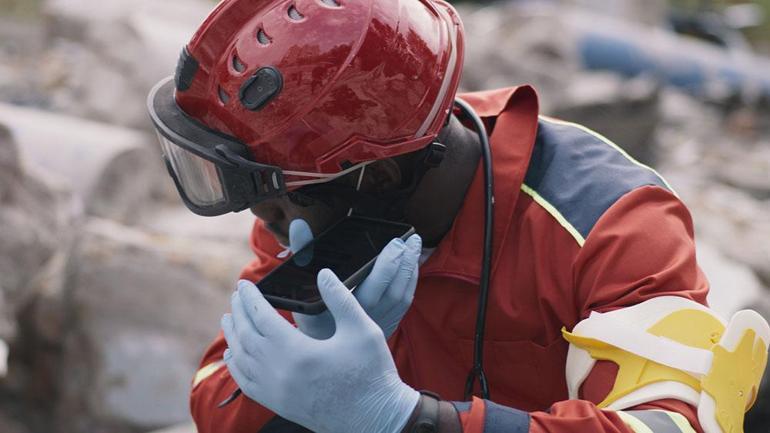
(345, 384)
(387, 292)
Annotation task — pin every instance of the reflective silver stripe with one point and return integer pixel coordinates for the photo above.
(633, 423)
(207, 371)
(659, 421)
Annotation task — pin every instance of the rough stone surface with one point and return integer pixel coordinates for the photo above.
(29, 222)
(112, 171)
(707, 162)
(733, 284)
(649, 12)
(9, 425)
(178, 221)
(108, 54)
(20, 54)
(141, 308)
(746, 166)
(107, 322)
(731, 219)
(519, 33)
(625, 111)
(33, 216)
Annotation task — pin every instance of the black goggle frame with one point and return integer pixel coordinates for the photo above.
(244, 182)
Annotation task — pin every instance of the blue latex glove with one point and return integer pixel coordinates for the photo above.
(387, 292)
(347, 383)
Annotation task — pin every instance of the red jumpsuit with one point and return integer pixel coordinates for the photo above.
(579, 227)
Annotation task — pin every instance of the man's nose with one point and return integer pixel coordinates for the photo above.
(269, 211)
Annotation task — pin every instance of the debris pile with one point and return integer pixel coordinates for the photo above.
(110, 289)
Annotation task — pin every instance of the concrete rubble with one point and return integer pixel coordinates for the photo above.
(110, 289)
(142, 307)
(626, 111)
(105, 56)
(108, 313)
(31, 223)
(110, 170)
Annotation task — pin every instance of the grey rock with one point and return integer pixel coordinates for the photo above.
(141, 309)
(525, 51)
(648, 12)
(178, 222)
(112, 171)
(10, 167)
(110, 53)
(33, 216)
(745, 166)
(10, 425)
(729, 218)
(4, 353)
(29, 231)
(625, 111)
(519, 32)
(733, 285)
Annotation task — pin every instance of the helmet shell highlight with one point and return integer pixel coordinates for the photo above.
(360, 79)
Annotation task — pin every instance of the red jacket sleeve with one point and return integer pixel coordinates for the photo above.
(213, 382)
(641, 248)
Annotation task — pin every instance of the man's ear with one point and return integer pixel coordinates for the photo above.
(381, 175)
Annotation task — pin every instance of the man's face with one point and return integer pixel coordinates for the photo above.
(319, 210)
(278, 213)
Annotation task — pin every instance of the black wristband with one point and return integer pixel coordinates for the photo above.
(432, 415)
(427, 418)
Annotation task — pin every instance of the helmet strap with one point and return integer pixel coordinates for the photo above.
(391, 205)
(388, 205)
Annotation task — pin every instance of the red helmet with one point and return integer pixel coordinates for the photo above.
(308, 88)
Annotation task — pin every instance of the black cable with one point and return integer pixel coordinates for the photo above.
(486, 260)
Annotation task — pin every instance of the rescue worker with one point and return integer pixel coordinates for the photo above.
(304, 109)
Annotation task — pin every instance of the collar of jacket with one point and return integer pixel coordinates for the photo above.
(458, 255)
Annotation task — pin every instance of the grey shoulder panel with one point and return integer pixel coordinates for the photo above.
(582, 174)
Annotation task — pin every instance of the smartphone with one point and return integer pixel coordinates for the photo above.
(349, 248)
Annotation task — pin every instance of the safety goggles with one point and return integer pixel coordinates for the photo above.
(213, 172)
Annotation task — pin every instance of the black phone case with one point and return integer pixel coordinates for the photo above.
(357, 278)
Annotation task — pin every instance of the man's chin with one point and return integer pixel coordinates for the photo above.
(279, 236)
(284, 243)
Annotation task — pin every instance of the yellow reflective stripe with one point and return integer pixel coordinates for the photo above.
(632, 422)
(611, 144)
(680, 421)
(554, 213)
(207, 371)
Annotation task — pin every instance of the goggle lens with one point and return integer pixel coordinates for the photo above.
(198, 177)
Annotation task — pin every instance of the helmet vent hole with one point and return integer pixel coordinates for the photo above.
(332, 3)
(223, 96)
(238, 64)
(294, 13)
(263, 38)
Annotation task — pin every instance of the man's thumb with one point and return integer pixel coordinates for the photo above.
(299, 235)
(341, 303)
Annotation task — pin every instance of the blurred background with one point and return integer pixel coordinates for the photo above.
(110, 290)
